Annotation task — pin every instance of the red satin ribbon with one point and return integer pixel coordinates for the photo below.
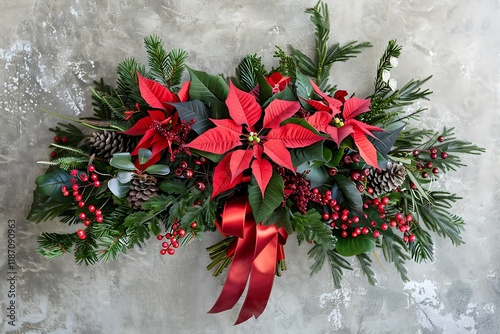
(257, 250)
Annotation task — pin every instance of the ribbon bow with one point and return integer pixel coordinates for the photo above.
(257, 250)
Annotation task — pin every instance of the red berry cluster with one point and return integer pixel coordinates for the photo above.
(172, 237)
(297, 189)
(78, 191)
(399, 221)
(424, 167)
(58, 139)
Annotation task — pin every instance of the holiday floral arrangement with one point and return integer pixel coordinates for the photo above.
(257, 157)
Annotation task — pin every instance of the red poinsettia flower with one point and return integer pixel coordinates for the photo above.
(340, 124)
(253, 143)
(277, 81)
(162, 127)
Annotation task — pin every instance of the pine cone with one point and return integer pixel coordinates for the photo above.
(386, 180)
(104, 144)
(143, 187)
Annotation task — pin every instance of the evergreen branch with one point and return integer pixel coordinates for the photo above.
(53, 245)
(337, 53)
(422, 248)
(319, 253)
(287, 65)
(337, 263)
(67, 163)
(101, 108)
(109, 105)
(365, 262)
(394, 250)
(128, 82)
(310, 227)
(70, 148)
(86, 249)
(248, 69)
(392, 51)
(46, 208)
(165, 67)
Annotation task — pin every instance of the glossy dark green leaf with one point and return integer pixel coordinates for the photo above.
(309, 153)
(209, 89)
(263, 207)
(196, 110)
(385, 140)
(50, 184)
(350, 191)
(354, 246)
(317, 176)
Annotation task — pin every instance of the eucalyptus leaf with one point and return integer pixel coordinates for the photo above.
(158, 169)
(125, 177)
(122, 163)
(144, 155)
(117, 188)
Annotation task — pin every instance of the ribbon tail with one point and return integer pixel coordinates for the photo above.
(262, 275)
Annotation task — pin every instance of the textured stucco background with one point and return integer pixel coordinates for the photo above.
(51, 51)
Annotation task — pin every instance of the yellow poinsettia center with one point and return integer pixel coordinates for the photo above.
(253, 137)
(337, 122)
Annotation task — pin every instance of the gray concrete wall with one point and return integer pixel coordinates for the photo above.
(51, 51)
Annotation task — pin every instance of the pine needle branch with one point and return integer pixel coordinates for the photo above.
(337, 265)
(365, 262)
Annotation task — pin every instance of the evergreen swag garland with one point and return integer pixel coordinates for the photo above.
(306, 159)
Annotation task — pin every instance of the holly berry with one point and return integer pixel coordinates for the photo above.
(97, 184)
(182, 232)
(183, 164)
(78, 198)
(94, 177)
(98, 212)
(159, 237)
(428, 165)
(434, 156)
(344, 234)
(81, 204)
(86, 222)
(91, 168)
(170, 251)
(444, 155)
(92, 208)
(376, 234)
(188, 173)
(347, 159)
(56, 139)
(99, 219)
(365, 230)
(82, 215)
(53, 154)
(81, 234)
(74, 186)
(384, 226)
(193, 225)
(415, 153)
(200, 186)
(435, 170)
(425, 175)
(441, 139)
(433, 150)
(412, 238)
(163, 251)
(326, 216)
(178, 172)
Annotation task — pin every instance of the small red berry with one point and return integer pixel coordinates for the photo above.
(66, 193)
(356, 157)
(91, 168)
(94, 177)
(74, 186)
(434, 155)
(332, 171)
(200, 186)
(413, 185)
(193, 225)
(98, 212)
(360, 187)
(441, 139)
(97, 184)
(175, 244)
(81, 234)
(53, 154)
(78, 198)
(385, 200)
(354, 234)
(170, 251)
(178, 172)
(182, 232)
(188, 173)
(159, 237)
(435, 170)
(165, 244)
(428, 165)
(92, 208)
(405, 238)
(415, 153)
(376, 234)
(163, 251)
(412, 238)
(326, 216)
(64, 139)
(365, 230)
(433, 150)
(425, 175)
(86, 222)
(384, 226)
(355, 219)
(344, 234)
(168, 235)
(408, 218)
(393, 223)
(183, 164)
(81, 204)
(64, 188)
(332, 224)
(369, 190)
(347, 159)
(82, 215)
(444, 155)
(56, 139)
(99, 219)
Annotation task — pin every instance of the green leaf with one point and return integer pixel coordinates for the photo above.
(117, 188)
(144, 155)
(157, 203)
(211, 90)
(154, 226)
(317, 176)
(158, 169)
(349, 190)
(124, 177)
(365, 262)
(311, 227)
(337, 263)
(265, 90)
(384, 141)
(122, 163)
(304, 89)
(196, 110)
(355, 246)
(173, 186)
(310, 153)
(273, 196)
(50, 184)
